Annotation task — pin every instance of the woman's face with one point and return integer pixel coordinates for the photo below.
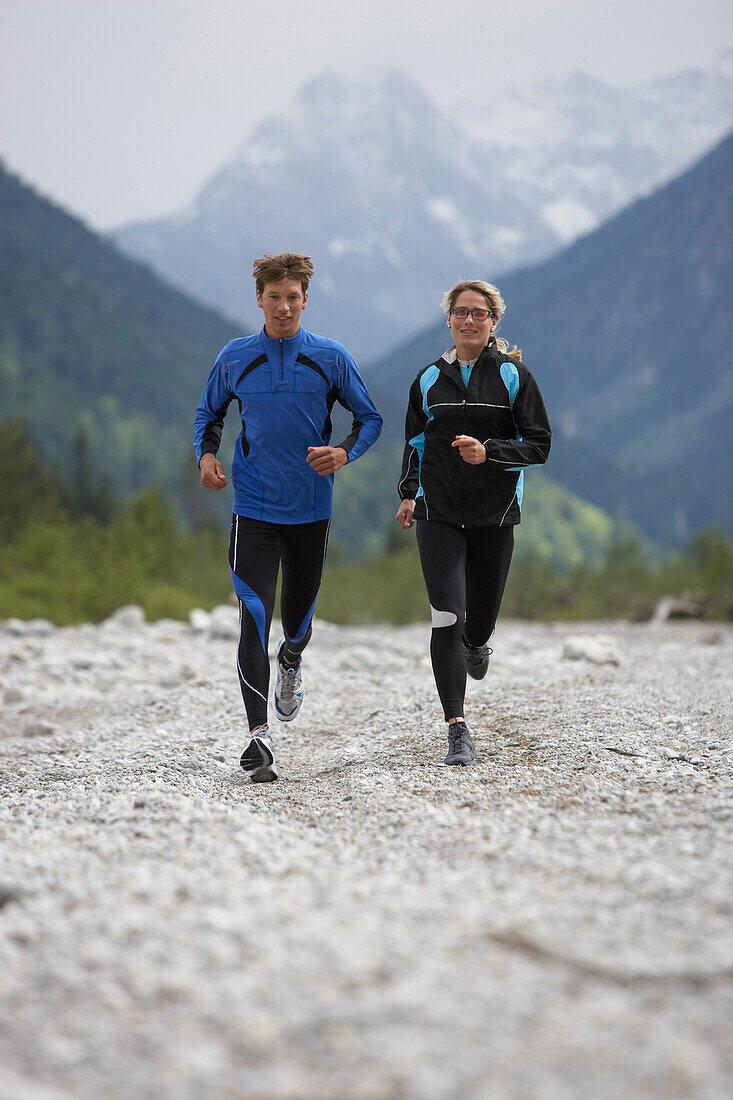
(469, 333)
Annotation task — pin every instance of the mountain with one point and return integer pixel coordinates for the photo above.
(93, 342)
(396, 199)
(629, 334)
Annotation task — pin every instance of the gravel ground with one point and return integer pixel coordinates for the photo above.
(553, 922)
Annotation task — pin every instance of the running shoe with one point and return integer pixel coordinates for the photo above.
(477, 659)
(258, 759)
(460, 746)
(288, 689)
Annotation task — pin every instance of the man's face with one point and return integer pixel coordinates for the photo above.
(282, 303)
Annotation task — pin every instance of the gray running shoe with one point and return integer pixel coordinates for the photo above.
(460, 746)
(258, 759)
(477, 659)
(288, 689)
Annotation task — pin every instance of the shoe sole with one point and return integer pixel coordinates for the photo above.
(458, 763)
(265, 774)
(479, 675)
(266, 771)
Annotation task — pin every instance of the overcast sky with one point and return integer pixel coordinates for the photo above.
(120, 109)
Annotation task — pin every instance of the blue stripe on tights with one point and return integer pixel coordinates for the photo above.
(253, 603)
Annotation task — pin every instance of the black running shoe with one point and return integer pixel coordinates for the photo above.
(477, 659)
(258, 759)
(460, 746)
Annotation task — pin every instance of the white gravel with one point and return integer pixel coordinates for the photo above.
(554, 922)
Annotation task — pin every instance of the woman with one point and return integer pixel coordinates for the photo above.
(475, 421)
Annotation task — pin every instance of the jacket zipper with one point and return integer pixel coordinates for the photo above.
(282, 367)
(465, 472)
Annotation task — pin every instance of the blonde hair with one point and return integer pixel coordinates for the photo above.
(494, 301)
(286, 265)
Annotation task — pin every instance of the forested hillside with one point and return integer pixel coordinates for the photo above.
(629, 333)
(94, 346)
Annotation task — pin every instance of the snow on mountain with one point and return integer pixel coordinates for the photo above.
(588, 149)
(396, 199)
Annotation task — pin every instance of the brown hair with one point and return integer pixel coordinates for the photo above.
(494, 301)
(286, 265)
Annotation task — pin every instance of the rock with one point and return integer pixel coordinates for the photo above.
(169, 680)
(8, 893)
(84, 661)
(678, 607)
(38, 729)
(40, 627)
(15, 626)
(677, 747)
(168, 628)
(599, 650)
(131, 616)
(13, 695)
(224, 622)
(199, 619)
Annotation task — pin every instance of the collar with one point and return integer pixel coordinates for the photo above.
(272, 343)
(451, 355)
(448, 362)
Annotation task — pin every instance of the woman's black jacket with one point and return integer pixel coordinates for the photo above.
(503, 408)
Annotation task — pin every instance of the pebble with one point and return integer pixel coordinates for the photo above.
(16, 627)
(323, 935)
(38, 729)
(8, 893)
(128, 617)
(224, 622)
(596, 650)
(41, 627)
(199, 619)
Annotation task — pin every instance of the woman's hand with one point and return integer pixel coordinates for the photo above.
(404, 514)
(470, 449)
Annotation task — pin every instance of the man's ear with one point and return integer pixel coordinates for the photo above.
(305, 298)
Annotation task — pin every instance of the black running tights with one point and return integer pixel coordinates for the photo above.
(465, 571)
(256, 551)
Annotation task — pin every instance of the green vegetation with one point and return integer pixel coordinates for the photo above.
(64, 558)
(71, 555)
(624, 583)
(80, 570)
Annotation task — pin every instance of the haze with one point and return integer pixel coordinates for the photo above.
(120, 111)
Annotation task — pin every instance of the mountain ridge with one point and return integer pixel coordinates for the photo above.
(396, 198)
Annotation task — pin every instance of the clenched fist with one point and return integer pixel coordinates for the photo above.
(470, 449)
(212, 472)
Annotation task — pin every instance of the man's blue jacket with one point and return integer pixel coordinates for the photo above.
(285, 389)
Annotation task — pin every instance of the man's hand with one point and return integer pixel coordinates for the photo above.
(404, 514)
(212, 472)
(470, 449)
(326, 460)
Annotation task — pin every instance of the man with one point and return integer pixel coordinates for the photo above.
(285, 381)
